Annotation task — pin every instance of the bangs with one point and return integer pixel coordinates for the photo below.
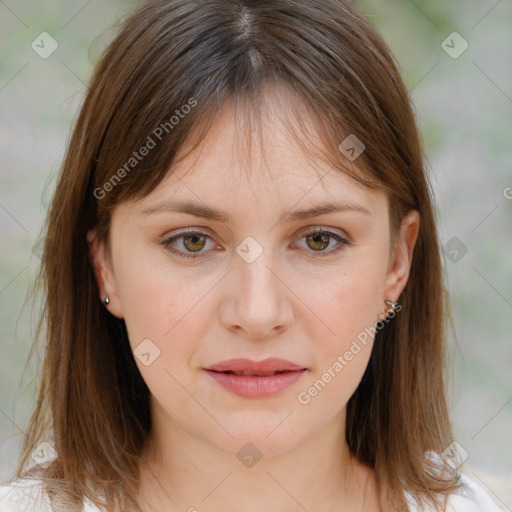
(314, 134)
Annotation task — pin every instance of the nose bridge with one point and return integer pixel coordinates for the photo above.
(260, 304)
(257, 281)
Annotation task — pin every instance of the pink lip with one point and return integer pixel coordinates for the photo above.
(254, 386)
(272, 364)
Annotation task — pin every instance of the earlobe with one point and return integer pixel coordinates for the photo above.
(103, 274)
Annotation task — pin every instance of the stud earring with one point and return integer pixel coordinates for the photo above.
(391, 306)
(106, 300)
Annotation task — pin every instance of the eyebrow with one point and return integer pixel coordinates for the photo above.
(207, 212)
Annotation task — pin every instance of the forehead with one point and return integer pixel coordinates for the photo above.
(273, 153)
(259, 162)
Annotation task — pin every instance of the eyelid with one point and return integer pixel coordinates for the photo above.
(341, 239)
(322, 229)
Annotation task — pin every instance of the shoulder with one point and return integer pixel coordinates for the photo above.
(24, 495)
(470, 497)
(28, 495)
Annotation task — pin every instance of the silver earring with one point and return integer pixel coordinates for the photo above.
(392, 306)
(106, 300)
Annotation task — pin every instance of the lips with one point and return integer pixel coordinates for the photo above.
(268, 366)
(256, 379)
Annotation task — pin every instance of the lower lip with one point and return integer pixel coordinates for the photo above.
(251, 386)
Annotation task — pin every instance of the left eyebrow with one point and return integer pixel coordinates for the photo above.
(323, 209)
(207, 212)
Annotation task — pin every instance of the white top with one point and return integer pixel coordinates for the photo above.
(27, 496)
(470, 498)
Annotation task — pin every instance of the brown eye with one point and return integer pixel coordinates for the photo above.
(194, 243)
(318, 241)
(189, 244)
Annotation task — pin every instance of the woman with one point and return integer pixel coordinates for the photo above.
(244, 299)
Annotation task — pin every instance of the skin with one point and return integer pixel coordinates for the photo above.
(287, 303)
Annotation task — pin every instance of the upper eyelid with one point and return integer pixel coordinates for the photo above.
(321, 229)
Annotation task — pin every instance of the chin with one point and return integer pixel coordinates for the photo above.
(267, 435)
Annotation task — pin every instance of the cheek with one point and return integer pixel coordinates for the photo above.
(351, 302)
(152, 297)
(171, 309)
(341, 352)
(171, 312)
(348, 308)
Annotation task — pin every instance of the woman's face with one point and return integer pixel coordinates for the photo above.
(257, 284)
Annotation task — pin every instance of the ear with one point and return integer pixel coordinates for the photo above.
(401, 256)
(103, 273)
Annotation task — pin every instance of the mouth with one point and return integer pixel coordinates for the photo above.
(256, 384)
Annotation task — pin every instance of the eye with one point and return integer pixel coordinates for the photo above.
(192, 241)
(319, 239)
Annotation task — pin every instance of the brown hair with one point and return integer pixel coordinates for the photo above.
(93, 403)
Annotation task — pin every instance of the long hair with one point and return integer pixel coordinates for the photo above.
(169, 71)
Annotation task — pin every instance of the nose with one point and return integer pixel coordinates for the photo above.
(259, 305)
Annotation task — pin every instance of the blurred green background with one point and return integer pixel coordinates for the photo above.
(463, 105)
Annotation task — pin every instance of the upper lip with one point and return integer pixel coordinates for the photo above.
(272, 364)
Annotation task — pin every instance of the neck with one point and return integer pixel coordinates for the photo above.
(183, 472)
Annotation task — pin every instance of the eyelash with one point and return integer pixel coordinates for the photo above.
(167, 243)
